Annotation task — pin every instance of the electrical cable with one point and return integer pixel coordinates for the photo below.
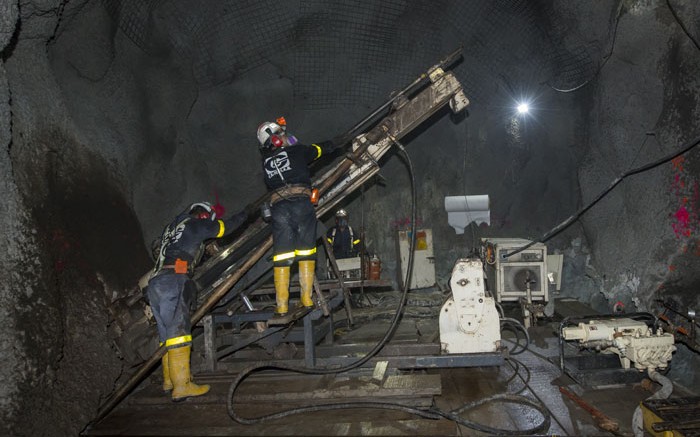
(432, 413)
(566, 223)
(526, 380)
(516, 364)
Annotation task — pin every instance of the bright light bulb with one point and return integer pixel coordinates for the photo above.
(523, 108)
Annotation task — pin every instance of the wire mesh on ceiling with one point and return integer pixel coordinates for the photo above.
(132, 16)
(364, 42)
(339, 53)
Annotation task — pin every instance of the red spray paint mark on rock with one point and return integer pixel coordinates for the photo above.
(684, 221)
(678, 163)
(682, 216)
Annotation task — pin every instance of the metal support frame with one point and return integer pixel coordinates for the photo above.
(488, 359)
(403, 356)
(341, 282)
(310, 333)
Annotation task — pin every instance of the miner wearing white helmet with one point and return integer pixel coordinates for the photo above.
(171, 289)
(287, 176)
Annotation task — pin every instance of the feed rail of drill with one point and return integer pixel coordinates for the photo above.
(359, 166)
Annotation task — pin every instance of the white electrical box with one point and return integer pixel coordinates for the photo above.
(509, 277)
(349, 268)
(423, 274)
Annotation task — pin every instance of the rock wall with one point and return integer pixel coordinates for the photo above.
(72, 243)
(12, 239)
(644, 235)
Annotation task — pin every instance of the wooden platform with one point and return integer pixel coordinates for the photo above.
(149, 411)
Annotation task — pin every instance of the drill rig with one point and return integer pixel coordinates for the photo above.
(229, 280)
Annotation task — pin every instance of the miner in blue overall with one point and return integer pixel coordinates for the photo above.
(287, 176)
(342, 237)
(171, 290)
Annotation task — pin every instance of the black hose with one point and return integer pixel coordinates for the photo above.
(516, 323)
(505, 398)
(569, 221)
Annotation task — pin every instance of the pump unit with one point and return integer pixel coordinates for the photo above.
(632, 340)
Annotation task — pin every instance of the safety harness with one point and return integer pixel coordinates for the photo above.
(289, 191)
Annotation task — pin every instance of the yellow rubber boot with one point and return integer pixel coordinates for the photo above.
(179, 364)
(167, 383)
(306, 281)
(282, 289)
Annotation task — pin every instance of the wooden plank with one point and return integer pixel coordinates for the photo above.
(295, 314)
(320, 389)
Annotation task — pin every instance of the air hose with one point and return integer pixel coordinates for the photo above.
(432, 413)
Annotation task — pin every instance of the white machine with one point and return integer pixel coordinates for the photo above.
(469, 322)
(524, 277)
(632, 340)
(349, 268)
(510, 277)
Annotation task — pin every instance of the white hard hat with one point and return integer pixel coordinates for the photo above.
(341, 213)
(266, 131)
(205, 206)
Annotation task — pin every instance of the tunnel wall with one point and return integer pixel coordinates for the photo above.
(72, 243)
(11, 216)
(644, 236)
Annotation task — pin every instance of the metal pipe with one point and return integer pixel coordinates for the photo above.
(410, 87)
(338, 275)
(602, 420)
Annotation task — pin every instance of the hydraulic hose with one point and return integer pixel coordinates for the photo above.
(432, 413)
(516, 323)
